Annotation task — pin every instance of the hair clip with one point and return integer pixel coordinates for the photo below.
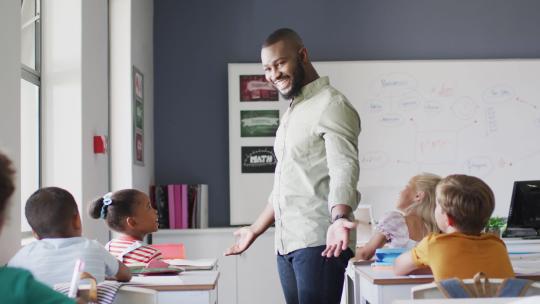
(107, 200)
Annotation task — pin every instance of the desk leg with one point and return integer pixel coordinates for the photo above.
(347, 295)
(351, 285)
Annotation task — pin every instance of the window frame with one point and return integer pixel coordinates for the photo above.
(33, 76)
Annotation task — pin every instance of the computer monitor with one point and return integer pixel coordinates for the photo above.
(525, 205)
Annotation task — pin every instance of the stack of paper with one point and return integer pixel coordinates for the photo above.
(198, 264)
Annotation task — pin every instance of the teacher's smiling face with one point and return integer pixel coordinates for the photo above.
(283, 65)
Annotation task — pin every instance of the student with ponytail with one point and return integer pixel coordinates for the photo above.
(412, 220)
(129, 213)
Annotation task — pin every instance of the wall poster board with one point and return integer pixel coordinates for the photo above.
(477, 117)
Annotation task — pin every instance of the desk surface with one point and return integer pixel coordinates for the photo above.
(464, 301)
(187, 280)
(387, 277)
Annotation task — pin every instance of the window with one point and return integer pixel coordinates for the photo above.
(30, 102)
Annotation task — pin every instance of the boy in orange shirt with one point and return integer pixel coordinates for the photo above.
(464, 206)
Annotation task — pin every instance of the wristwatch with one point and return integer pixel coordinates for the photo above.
(341, 216)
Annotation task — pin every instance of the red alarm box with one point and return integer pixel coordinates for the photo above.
(100, 144)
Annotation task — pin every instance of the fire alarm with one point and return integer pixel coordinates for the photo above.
(100, 144)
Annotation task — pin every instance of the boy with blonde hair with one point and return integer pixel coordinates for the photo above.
(464, 206)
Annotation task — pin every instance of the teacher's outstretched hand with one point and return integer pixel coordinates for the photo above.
(337, 237)
(244, 237)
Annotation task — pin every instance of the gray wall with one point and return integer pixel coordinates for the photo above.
(195, 39)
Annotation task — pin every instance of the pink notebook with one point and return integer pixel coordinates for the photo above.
(178, 206)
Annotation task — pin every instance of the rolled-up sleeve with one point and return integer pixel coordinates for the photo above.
(340, 127)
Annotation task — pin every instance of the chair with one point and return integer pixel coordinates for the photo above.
(475, 286)
(171, 250)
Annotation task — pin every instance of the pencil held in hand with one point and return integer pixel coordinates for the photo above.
(74, 286)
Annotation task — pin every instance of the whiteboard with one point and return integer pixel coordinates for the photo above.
(477, 117)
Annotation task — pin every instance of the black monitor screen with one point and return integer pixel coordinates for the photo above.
(525, 205)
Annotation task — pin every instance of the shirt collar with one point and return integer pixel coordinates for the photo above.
(129, 238)
(310, 89)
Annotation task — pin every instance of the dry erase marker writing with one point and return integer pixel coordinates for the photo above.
(74, 286)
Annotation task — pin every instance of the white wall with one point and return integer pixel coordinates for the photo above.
(61, 95)
(75, 101)
(142, 56)
(10, 141)
(131, 45)
(120, 84)
(95, 109)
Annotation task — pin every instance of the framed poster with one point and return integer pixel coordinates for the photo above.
(259, 123)
(256, 88)
(258, 160)
(138, 117)
(138, 83)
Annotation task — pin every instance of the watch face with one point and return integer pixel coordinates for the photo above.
(341, 216)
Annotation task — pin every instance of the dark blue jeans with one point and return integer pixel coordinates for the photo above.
(308, 278)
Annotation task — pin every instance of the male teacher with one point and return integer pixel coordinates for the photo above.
(315, 180)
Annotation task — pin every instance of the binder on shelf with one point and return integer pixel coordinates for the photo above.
(192, 202)
(162, 206)
(172, 211)
(203, 215)
(178, 206)
(184, 204)
(181, 206)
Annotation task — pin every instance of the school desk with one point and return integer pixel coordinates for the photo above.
(194, 287)
(460, 301)
(381, 287)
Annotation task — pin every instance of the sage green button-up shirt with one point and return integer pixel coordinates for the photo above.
(317, 166)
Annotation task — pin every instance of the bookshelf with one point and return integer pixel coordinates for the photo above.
(181, 206)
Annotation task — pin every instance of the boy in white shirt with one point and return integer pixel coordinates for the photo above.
(53, 215)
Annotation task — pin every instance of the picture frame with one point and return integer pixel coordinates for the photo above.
(138, 83)
(138, 116)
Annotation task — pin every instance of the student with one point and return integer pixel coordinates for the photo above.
(464, 205)
(53, 215)
(130, 213)
(18, 286)
(413, 219)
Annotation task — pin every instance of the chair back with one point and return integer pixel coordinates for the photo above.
(478, 287)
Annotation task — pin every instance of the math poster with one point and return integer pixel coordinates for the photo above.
(258, 160)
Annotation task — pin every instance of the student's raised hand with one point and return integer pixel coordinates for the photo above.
(244, 237)
(337, 237)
